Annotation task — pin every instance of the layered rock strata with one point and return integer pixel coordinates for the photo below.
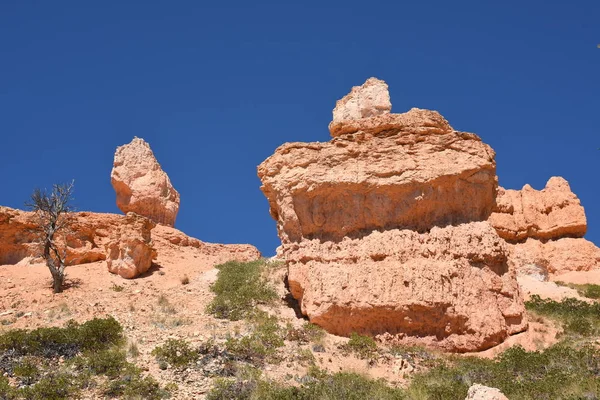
(141, 185)
(384, 228)
(545, 229)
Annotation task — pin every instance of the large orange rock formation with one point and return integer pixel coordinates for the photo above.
(384, 228)
(141, 185)
(544, 229)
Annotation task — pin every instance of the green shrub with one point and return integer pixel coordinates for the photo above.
(305, 334)
(135, 387)
(577, 317)
(55, 386)
(117, 288)
(261, 344)
(95, 347)
(66, 342)
(111, 362)
(7, 392)
(589, 290)
(364, 347)
(592, 291)
(560, 372)
(27, 370)
(340, 386)
(176, 352)
(239, 288)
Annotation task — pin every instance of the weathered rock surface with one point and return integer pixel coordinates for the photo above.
(451, 288)
(141, 184)
(544, 229)
(368, 100)
(555, 256)
(382, 228)
(480, 392)
(358, 183)
(94, 236)
(551, 213)
(130, 252)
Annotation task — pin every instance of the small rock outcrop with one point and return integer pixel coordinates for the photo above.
(384, 228)
(141, 185)
(130, 253)
(544, 229)
(480, 392)
(551, 213)
(365, 101)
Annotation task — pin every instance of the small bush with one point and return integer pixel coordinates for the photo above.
(165, 306)
(185, 280)
(66, 342)
(592, 291)
(133, 350)
(261, 344)
(588, 290)
(55, 386)
(176, 352)
(7, 392)
(136, 387)
(27, 370)
(340, 386)
(578, 317)
(305, 334)
(364, 347)
(559, 372)
(117, 288)
(104, 362)
(239, 288)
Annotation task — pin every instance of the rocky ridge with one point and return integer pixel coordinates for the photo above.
(126, 242)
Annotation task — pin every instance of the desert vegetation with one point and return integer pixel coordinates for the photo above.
(60, 363)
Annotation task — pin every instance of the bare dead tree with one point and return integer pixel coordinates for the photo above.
(53, 212)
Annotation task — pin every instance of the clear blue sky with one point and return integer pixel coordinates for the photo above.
(215, 87)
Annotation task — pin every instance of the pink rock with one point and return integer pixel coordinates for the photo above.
(551, 213)
(450, 288)
(141, 185)
(361, 182)
(555, 256)
(545, 229)
(480, 392)
(130, 253)
(383, 228)
(368, 100)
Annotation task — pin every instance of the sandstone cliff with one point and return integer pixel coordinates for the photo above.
(384, 228)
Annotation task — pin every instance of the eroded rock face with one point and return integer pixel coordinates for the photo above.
(552, 213)
(130, 252)
(480, 392)
(451, 287)
(141, 184)
(383, 229)
(554, 256)
(544, 229)
(405, 178)
(98, 237)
